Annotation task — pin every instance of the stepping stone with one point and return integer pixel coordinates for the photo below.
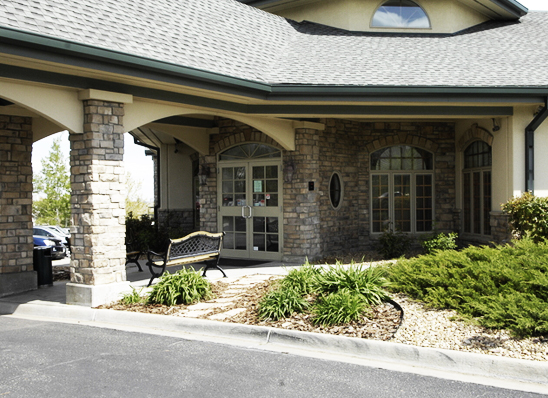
(224, 315)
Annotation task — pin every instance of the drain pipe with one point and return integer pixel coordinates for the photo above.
(530, 147)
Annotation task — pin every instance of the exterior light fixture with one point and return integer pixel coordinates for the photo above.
(496, 127)
(203, 174)
(289, 169)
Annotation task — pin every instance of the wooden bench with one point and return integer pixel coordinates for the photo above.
(196, 247)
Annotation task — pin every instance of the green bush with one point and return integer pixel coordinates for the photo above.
(440, 241)
(143, 233)
(186, 286)
(528, 216)
(302, 279)
(369, 283)
(500, 287)
(280, 303)
(340, 307)
(393, 244)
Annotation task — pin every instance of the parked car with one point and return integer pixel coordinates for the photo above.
(49, 232)
(58, 249)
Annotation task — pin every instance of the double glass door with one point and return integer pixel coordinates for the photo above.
(250, 209)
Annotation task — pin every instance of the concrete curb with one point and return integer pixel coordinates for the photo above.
(516, 370)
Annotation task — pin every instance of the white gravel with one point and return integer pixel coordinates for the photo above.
(433, 328)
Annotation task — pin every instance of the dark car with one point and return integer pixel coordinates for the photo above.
(58, 250)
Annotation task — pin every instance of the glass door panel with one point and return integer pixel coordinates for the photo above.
(402, 202)
(250, 210)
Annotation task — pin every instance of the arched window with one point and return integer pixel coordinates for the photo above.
(400, 14)
(477, 188)
(402, 192)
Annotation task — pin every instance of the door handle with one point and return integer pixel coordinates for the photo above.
(250, 212)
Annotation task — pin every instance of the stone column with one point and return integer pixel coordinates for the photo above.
(16, 245)
(98, 206)
(302, 204)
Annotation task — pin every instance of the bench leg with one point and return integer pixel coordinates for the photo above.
(213, 264)
(154, 274)
(134, 258)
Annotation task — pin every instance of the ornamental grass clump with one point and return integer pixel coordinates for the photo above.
(302, 279)
(333, 296)
(369, 283)
(502, 287)
(132, 298)
(338, 308)
(281, 303)
(186, 286)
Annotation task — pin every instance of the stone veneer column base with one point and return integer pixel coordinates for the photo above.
(95, 295)
(17, 282)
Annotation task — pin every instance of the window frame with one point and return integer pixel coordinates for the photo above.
(413, 173)
(468, 219)
(341, 190)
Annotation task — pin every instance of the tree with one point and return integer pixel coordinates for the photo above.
(52, 187)
(135, 204)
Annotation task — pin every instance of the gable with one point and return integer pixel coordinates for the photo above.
(446, 16)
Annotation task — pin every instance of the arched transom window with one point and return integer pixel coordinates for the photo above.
(402, 194)
(400, 14)
(250, 151)
(477, 188)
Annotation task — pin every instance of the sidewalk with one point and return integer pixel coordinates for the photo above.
(49, 304)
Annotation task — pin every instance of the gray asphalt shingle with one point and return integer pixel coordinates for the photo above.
(230, 38)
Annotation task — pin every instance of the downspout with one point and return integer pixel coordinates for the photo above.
(530, 147)
(158, 191)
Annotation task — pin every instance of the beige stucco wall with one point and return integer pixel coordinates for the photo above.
(176, 178)
(447, 16)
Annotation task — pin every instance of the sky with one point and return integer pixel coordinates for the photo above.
(535, 5)
(138, 164)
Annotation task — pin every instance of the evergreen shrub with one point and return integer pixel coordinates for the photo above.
(502, 287)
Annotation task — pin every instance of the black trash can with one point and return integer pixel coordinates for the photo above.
(42, 265)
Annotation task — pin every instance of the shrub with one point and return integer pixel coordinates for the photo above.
(280, 303)
(528, 216)
(369, 283)
(302, 279)
(501, 287)
(186, 286)
(440, 241)
(340, 307)
(393, 244)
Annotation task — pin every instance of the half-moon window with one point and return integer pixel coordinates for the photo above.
(400, 14)
(250, 151)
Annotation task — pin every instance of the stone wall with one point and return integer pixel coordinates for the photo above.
(98, 196)
(312, 227)
(16, 244)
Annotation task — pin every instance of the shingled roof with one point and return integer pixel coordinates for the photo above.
(232, 39)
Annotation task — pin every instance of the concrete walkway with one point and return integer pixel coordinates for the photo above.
(49, 304)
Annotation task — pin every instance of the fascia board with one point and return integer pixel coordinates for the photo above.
(56, 50)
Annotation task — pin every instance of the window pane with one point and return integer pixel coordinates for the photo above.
(476, 204)
(423, 202)
(379, 211)
(400, 14)
(402, 204)
(487, 202)
(401, 157)
(467, 189)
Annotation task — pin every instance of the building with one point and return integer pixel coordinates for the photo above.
(301, 128)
